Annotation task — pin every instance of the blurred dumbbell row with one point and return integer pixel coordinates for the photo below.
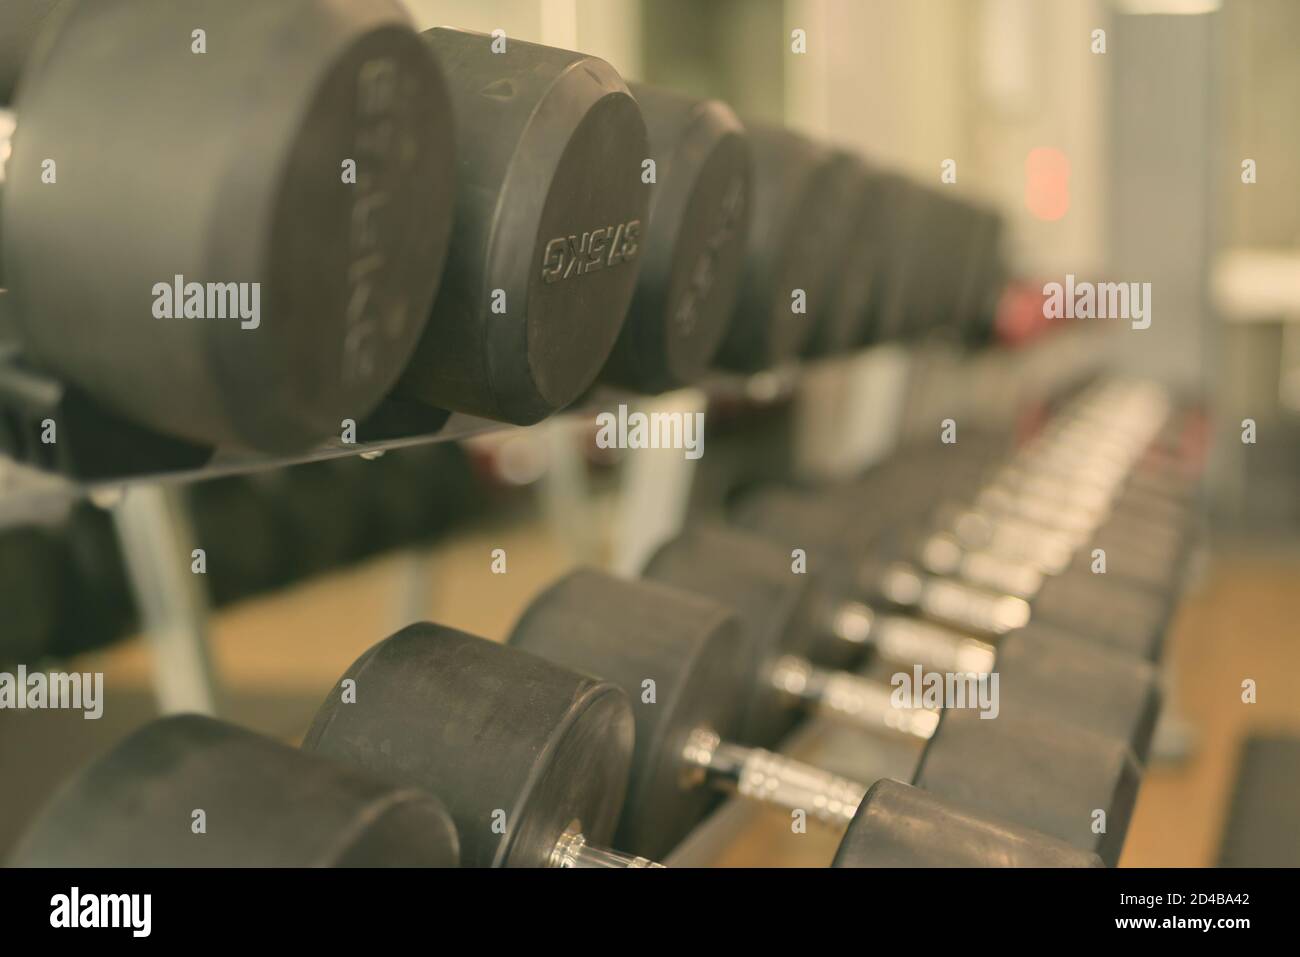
(414, 225)
(620, 713)
(65, 590)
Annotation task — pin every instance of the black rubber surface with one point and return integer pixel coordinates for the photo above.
(517, 748)
(550, 226)
(700, 662)
(245, 186)
(902, 826)
(700, 207)
(266, 805)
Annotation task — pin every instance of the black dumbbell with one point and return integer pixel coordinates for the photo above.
(688, 666)
(268, 529)
(1037, 511)
(957, 257)
(1137, 550)
(858, 255)
(1136, 621)
(29, 592)
(991, 275)
(882, 573)
(795, 238)
(241, 532)
(64, 587)
(694, 248)
(249, 195)
(530, 757)
(901, 826)
(263, 803)
(897, 304)
(97, 606)
(415, 494)
(791, 616)
(92, 442)
(549, 229)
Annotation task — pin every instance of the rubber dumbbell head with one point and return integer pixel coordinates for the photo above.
(265, 805)
(687, 665)
(247, 192)
(902, 826)
(550, 227)
(799, 189)
(700, 206)
(840, 324)
(530, 758)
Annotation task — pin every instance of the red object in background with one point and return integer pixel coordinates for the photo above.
(1020, 317)
(1047, 184)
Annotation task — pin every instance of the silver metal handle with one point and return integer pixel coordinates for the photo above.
(572, 850)
(851, 698)
(775, 779)
(954, 603)
(943, 554)
(910, 641)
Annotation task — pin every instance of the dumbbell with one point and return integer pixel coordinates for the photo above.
(688, 666)
(1003, 510)
(882, 575)
(242, 536)
(93, 442)
(897, 306)
(1012, 512)
(796, 234)
(979, 327)
(264, 530)
(858, 254)
(415, 494)
(902, 826)
(790, 617)
(264, 112)
(263, 804)
(1136, 619)
(97, 606)
(63, 588)
(960, 261)
(694, 248)
(550, 217)
(531, 758)
(947, 535)
(29, 592)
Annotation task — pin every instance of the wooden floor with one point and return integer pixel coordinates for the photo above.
(1242, 621)
(278, 656)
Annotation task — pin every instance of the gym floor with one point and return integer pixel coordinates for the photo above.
(278, 656)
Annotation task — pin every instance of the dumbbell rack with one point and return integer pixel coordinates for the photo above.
(837, 436)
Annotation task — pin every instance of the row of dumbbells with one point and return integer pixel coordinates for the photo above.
(448, 221)
(64, 586)
(619, 712)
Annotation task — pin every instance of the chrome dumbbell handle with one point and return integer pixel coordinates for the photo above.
(851, 698)
(572, 850)
(952, 603)
(774, 779)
